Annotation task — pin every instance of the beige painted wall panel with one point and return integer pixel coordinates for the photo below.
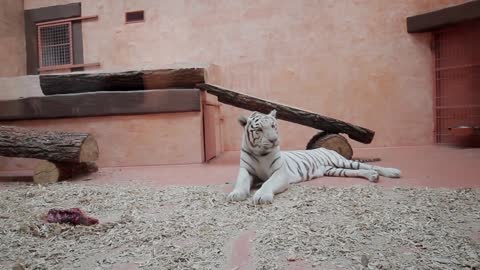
(12, 39)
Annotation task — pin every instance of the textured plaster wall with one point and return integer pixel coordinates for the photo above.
(348, 59)
(12, 39)
(153, 139)
(20, 87)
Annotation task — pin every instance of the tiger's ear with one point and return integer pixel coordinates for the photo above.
(242, 120)
(273, 113)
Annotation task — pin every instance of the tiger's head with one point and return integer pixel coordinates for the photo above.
(260, 132)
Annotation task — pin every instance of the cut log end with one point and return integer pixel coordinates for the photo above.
(50, 172)
(334, 142)
(89, 150)
(46, 172)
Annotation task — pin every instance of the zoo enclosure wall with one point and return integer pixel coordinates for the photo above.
(349, 60)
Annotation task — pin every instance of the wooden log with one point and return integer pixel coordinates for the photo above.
(337, 143)
(121, 81)
(334, 142)
(48, 145)
(288, 113)
(51, 172)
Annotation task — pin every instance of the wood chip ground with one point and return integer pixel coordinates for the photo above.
(180, 227)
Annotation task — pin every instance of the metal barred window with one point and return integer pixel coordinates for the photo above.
(55, 44)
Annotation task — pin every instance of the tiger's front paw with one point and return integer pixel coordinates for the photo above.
(237, 195)
(262, 197)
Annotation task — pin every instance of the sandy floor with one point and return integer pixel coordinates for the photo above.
(422, 166)
(194, 227)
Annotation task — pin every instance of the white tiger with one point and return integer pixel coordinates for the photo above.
(262, 161)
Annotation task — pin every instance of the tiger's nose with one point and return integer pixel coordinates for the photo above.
(273, 140)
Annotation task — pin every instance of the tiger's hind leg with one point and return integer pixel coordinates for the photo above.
(383, 171)
(370, 175)
(340, 162)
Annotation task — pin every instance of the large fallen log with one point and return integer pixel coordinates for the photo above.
(288, 113)
(121, 81)
(47, 145)
(51, 172)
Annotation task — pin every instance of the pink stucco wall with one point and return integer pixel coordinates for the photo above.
(153, 139)
(348, 59)
(12, 39)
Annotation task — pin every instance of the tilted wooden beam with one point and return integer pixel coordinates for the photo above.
(288, 113)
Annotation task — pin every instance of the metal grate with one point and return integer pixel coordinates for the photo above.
(457, 79)
(134, 16)
(55, 44)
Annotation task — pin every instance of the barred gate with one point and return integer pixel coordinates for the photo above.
(457, 79)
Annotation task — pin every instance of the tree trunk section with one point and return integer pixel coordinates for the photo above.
(337, 143)
(290, 114)
(50, 172)
(47, 145)
(121, 81)
(334, 142)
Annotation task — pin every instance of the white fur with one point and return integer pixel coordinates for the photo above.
(262, 160)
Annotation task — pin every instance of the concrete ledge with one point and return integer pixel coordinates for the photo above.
(101, 104)
(444, 17)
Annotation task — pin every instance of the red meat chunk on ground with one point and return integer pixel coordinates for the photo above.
(73, 216)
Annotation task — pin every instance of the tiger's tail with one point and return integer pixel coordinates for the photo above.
(365, 160)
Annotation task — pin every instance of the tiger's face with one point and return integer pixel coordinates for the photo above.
(260, 132)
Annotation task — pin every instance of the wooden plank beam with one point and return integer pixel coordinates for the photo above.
(445, 17)
(121, 81)
(288, 113)
(101, 104)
